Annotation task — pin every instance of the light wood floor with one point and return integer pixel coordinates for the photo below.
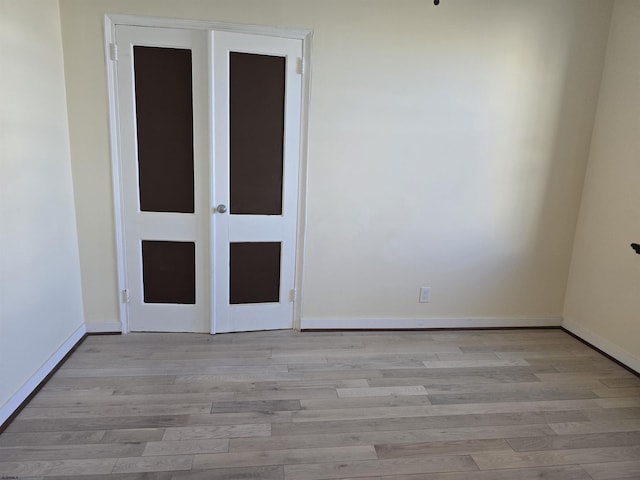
(466, 405)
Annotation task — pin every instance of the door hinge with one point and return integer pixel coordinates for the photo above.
(124, 295)
(292, 295)
(113, 51)
(300, 66)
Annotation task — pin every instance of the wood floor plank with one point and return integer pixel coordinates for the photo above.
(100, 423)
(546, 473)
(618, 402)
(211, 379)
(112, 476)
(255, 405)
(284, 457)
(153, 464)
(632, 392)
(287, 394)
(475, 363)
(112, 400)
(621, 382)
(498, 374)
(458, 447)
(386, 359)
(69, 452)
(240, 418)
(57, 467)
(612, 413)
(533, 388)
(431, 381)
(588, 366)
(359, 414)
(127, 435)
(365, 362)
(444, 357)
(614, 470)
(573, 428)
(216, 354)
(560, 355)
(250, 370)
(440, 410)
(59, 381)
(381, 391)
(516, 347)
(342, 375)
(185, 447)
(77, 412)
(364, 402)
(561, 442)
(337, 382)
(579, 456)
(210, 432)
(184, 388)
(373, 437)
(270, 472)
(80, 392)
(435, 421)
(512, 396)
(344, 470)
(51, 438)
(568, 377)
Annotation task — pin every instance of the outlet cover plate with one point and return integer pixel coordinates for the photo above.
(425, 294)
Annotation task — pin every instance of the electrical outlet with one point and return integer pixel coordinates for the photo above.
(425, 294)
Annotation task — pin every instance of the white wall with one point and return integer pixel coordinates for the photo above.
(40, 296)
(447, 149)
(603, 294)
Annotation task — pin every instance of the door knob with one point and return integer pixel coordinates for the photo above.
(221, 208)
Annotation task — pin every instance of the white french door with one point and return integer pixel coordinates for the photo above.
(164, 148)
(209, 147)
(257, 105)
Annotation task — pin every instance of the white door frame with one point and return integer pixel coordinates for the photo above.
(110, 22)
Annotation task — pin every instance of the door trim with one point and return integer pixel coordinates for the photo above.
(306, 35)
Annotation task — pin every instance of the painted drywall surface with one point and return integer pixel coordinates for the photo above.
(447, 148)
(40, 289)
(603, 293)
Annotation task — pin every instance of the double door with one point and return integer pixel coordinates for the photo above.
(209, 139)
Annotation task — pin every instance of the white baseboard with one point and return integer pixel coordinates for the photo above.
(104, 327)
(418, 323)
(603, 344)
(30, 385)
